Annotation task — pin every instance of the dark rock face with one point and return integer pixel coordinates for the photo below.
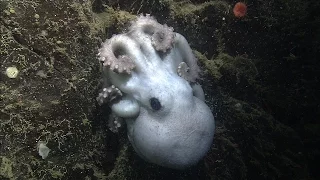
(53, 47)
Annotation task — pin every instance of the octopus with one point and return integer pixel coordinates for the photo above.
(150, 82)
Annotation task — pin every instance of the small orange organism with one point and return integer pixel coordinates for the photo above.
(240, 9)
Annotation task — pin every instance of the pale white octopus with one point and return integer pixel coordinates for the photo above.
(150, 77)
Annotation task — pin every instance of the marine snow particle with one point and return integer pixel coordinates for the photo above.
(43, 150)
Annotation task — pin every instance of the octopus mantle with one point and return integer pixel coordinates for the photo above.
(150, 77)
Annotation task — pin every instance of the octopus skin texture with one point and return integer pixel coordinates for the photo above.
(150, 78)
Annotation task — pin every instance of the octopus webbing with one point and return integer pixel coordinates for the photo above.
(150, 78)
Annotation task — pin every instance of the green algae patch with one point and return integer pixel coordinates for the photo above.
(212, 66)
(6, 168)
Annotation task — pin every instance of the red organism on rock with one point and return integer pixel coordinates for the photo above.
(240, 9)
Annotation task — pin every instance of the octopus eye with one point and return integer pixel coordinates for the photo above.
(155, 104)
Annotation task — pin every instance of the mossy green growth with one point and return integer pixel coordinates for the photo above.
(6, 167)
(121, 170)
(212, 66)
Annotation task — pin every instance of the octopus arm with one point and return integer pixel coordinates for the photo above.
(185, 51)
(198, 91)
(126, 108)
